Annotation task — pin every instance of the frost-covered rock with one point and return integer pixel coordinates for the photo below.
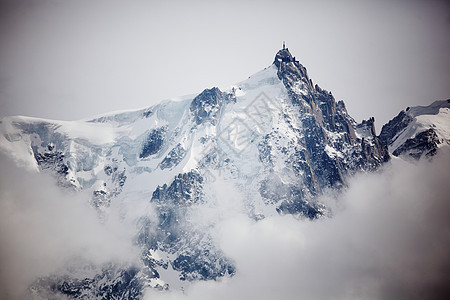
(418, 131)
(207, 105)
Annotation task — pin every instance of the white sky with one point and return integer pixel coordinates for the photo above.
(75, 59)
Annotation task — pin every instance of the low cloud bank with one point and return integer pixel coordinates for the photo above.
(42, 228)
(389, 239)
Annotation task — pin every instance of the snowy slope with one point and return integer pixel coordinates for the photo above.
(276, 138)
(419, 130)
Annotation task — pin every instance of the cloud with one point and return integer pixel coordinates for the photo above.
(42, 228)
(389, 239)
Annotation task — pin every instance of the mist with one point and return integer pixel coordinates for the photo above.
(43, 228)
(389, 238)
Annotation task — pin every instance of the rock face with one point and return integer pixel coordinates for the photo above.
(418, 131)
(153, 142)
(424, 143)
(277, 138)
(110, 282)
(328, 144)
(206, 106)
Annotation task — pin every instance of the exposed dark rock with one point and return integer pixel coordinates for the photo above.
(153, 143)
(401, 135)
(394, 127)
(184, 190)
(424, 143)
(174, 157)
(52, 160)
(112, 282)
(207, 105)
(327, 149)
(195, 267)
(197, 259)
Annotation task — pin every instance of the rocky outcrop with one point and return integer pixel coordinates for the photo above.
(329, 145)
(418, 131)
(153, 143)
(206, 106)
(424, 143)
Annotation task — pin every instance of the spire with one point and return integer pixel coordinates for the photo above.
(283, 55)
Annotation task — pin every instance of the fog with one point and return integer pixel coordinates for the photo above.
(43, 228)
(389, 239)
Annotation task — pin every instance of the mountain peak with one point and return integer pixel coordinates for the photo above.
(275, 141)
(283, 55)
(289, 67)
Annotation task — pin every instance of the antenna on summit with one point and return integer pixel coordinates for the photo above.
(284, 45)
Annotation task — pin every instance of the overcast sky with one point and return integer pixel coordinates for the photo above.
(75, 59)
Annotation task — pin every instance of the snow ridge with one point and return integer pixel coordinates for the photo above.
(418, 131)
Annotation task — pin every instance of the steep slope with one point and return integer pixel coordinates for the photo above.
(276, 137)
(418, 131)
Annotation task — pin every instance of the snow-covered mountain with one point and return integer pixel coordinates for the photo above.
(418, 131)
(277, 138)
